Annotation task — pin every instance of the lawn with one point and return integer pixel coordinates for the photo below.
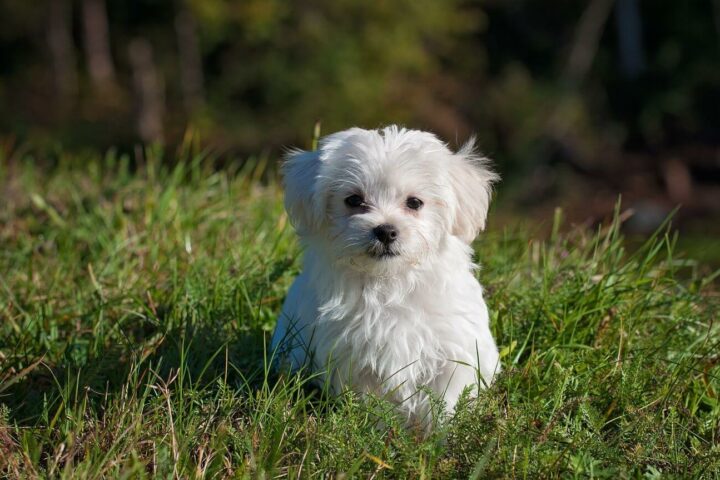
(136, 305)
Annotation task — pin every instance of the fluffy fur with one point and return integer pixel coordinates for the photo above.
(407, 320)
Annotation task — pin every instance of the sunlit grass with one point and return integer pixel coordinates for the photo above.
(135, 306)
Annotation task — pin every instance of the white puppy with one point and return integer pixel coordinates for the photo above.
(387, 302)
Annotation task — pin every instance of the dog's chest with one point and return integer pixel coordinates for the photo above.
(385, 333)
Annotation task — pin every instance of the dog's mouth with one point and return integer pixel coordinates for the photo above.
(382, 253)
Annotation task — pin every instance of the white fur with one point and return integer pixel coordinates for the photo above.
(404, 327)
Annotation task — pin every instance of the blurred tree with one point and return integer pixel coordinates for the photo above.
(62, 52)
(149, 91)
(542, 81)
(97, 44)
(284, 64)
(629, 27)
(191, 68)
(587, 39)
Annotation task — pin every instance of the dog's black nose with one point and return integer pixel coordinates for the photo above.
(386, 233)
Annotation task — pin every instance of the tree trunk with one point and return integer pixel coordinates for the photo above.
(149, 91)
(97, 44)
(62, 52)
(191, 73)
(587, 39)
(629, 28)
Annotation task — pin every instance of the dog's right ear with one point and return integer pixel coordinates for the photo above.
(306, 186)
(300, 172)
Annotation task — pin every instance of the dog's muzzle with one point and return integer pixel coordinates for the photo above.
(384, 242)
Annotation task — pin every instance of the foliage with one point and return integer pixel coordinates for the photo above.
(135, 306)
(457, 67)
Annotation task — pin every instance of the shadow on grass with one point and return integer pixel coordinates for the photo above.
(199, 355)
(218, 335)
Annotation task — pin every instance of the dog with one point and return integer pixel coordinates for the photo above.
(387, 302)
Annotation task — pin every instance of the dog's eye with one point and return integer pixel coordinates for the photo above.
(414, 203)
(354, 201)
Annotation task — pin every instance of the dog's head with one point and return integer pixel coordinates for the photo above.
(389, 198)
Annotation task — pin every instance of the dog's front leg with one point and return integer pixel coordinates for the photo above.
(453, 380)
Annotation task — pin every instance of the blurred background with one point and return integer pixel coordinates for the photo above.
(577, 101)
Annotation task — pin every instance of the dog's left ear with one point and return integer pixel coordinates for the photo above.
(471, 180)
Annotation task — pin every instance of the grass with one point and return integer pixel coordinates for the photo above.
(135, 306)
